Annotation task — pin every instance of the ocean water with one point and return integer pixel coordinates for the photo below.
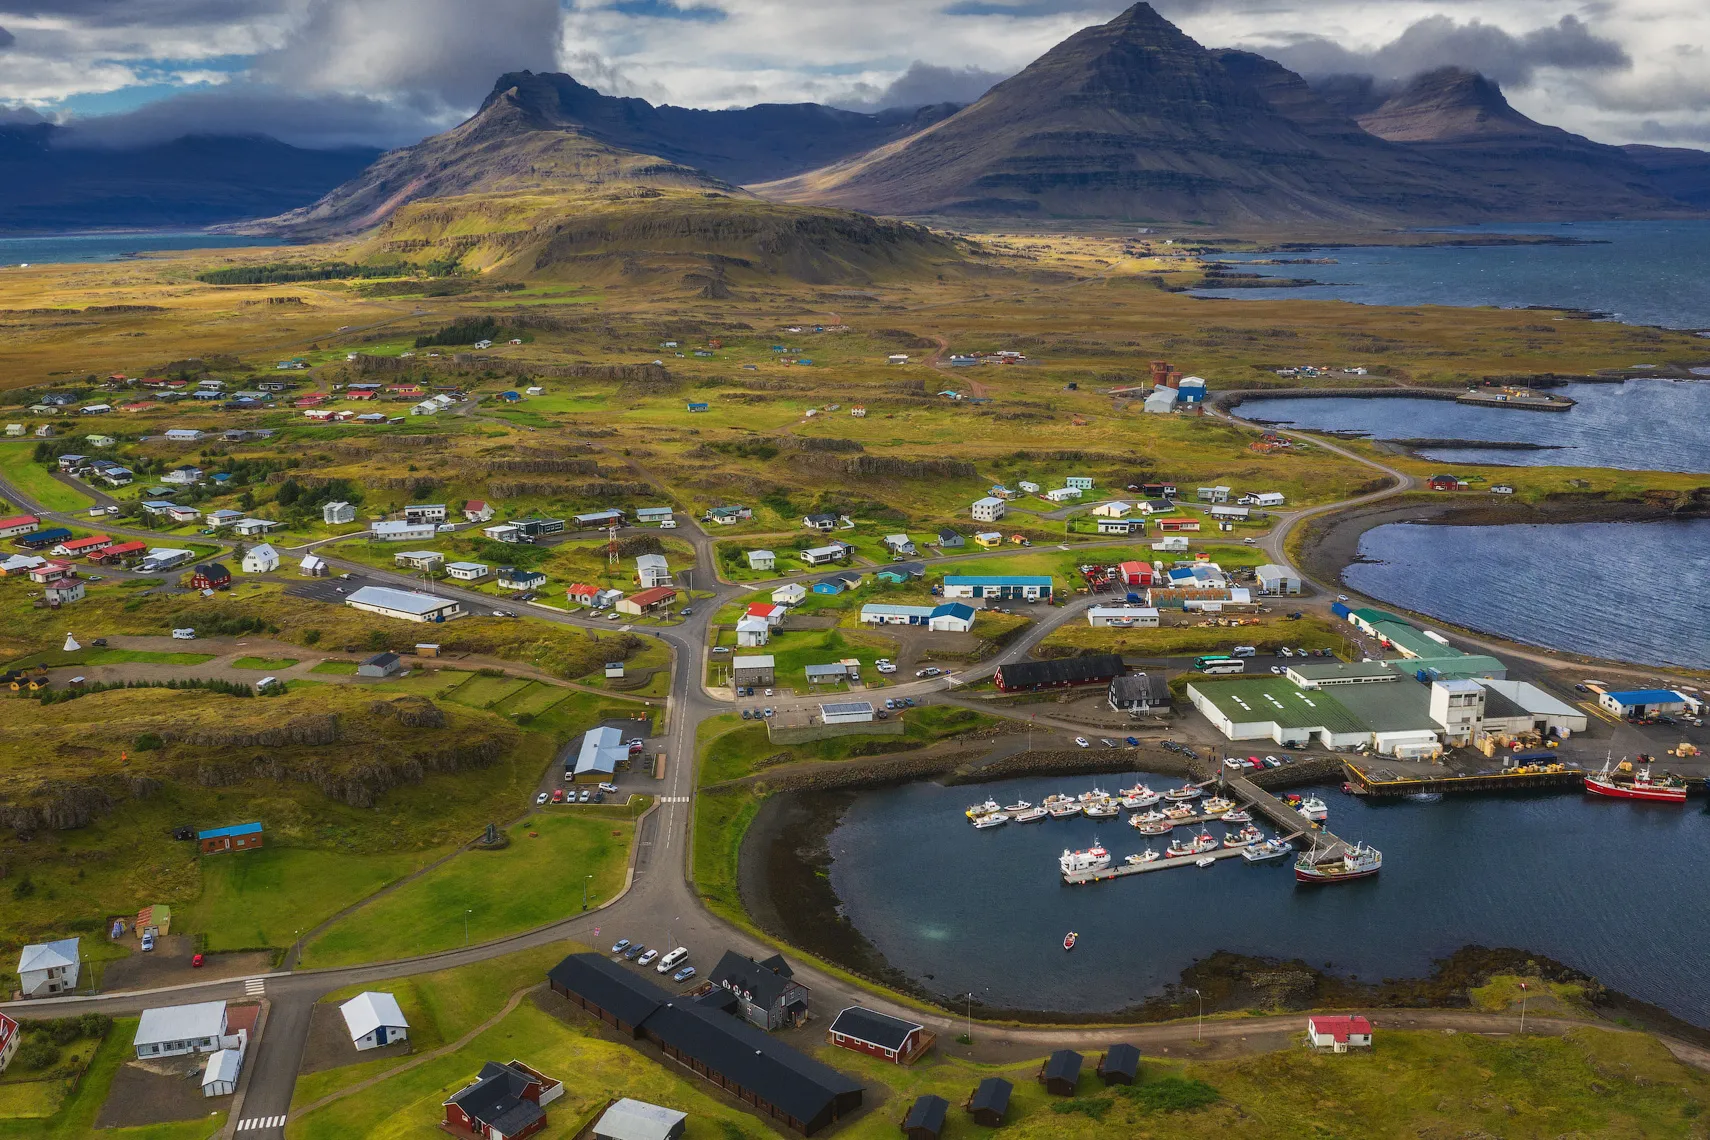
(1640, 425)
(985, 911)
(1633, 591)
(1648, 273)
(57, 248)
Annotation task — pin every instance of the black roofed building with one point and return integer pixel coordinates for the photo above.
(766, 991)
(879, 1035)
(1139, 692)
(504, 1102)
(1022, 676)
(1060, 1072)
(1120, 1065)
(925, 1119)
(611, 993)
(988, 1102)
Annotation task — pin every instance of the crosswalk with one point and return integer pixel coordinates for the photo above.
(255, 987)
(256, 1122)
(673, 799)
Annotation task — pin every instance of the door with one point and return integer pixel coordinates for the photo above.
(380, 1035)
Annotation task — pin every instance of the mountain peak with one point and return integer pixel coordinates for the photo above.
(1447, 104)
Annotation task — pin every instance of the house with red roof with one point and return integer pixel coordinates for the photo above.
(772, 613)
(309, 401)
(646, 600)
(477, 510)
(9, 1037)
(83, 547)
(1338, 1032)
(582, 594)
(1136, 573)
(18, 524)
(120, 552)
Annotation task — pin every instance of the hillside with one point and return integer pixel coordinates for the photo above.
(544, 132)
(1680, 172)
(48, 183)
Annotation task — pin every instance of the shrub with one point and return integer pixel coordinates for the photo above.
(311, 637)
(37, 1054)
(1094, 1107)
(64, 1031)
(148, 742)
(1172, 1094)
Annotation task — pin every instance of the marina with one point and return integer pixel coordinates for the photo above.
(1375, 779)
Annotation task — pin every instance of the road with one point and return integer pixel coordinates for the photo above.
(659, 906)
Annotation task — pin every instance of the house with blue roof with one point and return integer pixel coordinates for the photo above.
(237, 837)
(1643, 704)
(1029, 586)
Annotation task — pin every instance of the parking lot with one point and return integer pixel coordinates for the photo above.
(633, 777)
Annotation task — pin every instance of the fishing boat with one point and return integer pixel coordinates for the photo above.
(1101, 809)
(1094, 858)
(1031, 815)
(1153, 816)
(1163, 827)
(1269, 849)
(1070, 939)
(1205, 841)
(1205, 862)
(1314, 809)
(977, 810)
(1196, 845)
(1144, 857)
(1096, 796)
(1217, 805)
(1179, 812)
(1185, 792)
(991, 819)
(1246, 837)
(1357, 862)
(1063, 808)
(1139, 796)
(1239, 815)
(1018, 805)
(1642, 786)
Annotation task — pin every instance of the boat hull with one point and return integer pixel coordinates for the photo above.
(1600, 787)
(1315, 876)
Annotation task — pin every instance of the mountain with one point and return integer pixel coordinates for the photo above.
(49, 183)
(543, 132)
(1133, 119)
(1680, 172)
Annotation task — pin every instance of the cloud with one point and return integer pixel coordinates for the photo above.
(323, 120)
(923, 84)
(7, 39)
(1439, 41)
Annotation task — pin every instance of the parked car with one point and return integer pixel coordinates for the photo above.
(1284, 651)
(672, 960)
(197, 961)
(1131, 741)
(721, 649)
(684, 974)
(884, 665)
(542, 798)
(686, 611)
(768, 692)
(769, 712)
(1082, 742)
(557, 795)
(635, 951)
(583, 798)
(647, 958)
(1171, 746)
(1272, 762)
(746, 716)
(1190, 753)
(614, 616)
(620, 946)
(1108, 743)
(636, 743)
(598, 798)
(929, 672)
(148, 940)
(883, 715)
(1232, 763)
(608, 787)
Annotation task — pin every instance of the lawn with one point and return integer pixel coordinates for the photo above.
(1174, 641)
(18, 465)
(429, 913)
(266, 663)
(733, 747)
(265, 898)
(336, 668)
(795, 650)
(56, 658)
(485, 692)
(532, 699)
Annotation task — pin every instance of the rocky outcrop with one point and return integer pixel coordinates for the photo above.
(312, 729)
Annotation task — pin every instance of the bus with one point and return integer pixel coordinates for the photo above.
(1220, 665)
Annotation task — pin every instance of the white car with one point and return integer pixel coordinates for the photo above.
(647, 958)
(884, 665)
(1234, 764)
(542, 798)
(608, 787)
(672, 960)
(184, 635)
(1082, 742)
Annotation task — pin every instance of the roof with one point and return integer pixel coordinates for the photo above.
(602, 749)
(1453, 665)
(1411, 641)
(1276, 699)
(997, 580)
(992, 1093)
(764, 609)
(1122, 612)
(827, 671)
(761, 982)
(48, 955)
(1122, 1058)
(369, 1010)
(927, 1112)
(234, 829)
(1367, 614)
(1531, 699)
(844, 708)
(181, 1023)
(751, 624)
(1137, 686)
(1064, 1064)
(1339, 1026)
(637, 1120)
(873, 1027)
(496, 1100)
(646, 561)
(382, 659)
(418, 554)
(626, 996)
(885, 609)
(18, 520)
(988, 501)
(756, 661)
(212, 570)
(403, 600)
(1067, 670)
(653, 595)
(1647, 697)
(954, 609)
(1331, 670)
(223, 1067)
(1272, 570)
(475, 566)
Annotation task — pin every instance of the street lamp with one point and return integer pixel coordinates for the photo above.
(585, 879)
(466, 915)
(970, 996)
(1199, 1026)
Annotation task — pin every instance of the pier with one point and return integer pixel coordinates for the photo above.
(1117, 870)
(1289, 823)
(1375, 780)
(1522, 398)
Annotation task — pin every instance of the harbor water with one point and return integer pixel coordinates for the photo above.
(1567, 586)
(1641, 425)
(56, 248)
(1647, 273)
(1608, 888)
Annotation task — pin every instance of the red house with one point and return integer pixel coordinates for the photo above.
(1444, 483)
(1339, 1033)
(879, 1035)
(1189, 526)
(120, 552)
(84, 547)
(582, 594)
(211, 576)
(1136, 573)
(309, 401)
(504, 1102)
(361, 394)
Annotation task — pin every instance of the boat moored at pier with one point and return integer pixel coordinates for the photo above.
(1356, 862)
(1639, 785)
(1094, 858)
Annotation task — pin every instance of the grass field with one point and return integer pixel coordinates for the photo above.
(18, 466)
(1271, 632)
(485, 692)
(336, 668)
(266, 663)
(533, 881)
(266, 898)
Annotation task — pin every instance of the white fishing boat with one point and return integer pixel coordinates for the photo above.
(1144, 857)
(977, 810)
(1063, 808)
(1159, 827)
(1269, 849)
(1097, 795)
(1094, 858)
(1356, 862)
(1205, 862)
(1314, 809)
(991, 819)
(1139, 796)
(1018, 805)
(1101, 809)
(1153, 816)
(1246, 837)
(1179, 812)
(1031, 815)
(1185, 792)
(1217, 805)
(1239, 815)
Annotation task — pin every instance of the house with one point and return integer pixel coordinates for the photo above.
(117, 476)
(902, 572)
(597, 758)
(951, 540)
(425, 513)
(1123, 617)
(335, 513)
(989, 1101)
(1120, 526)
(1444, 483)
(653, 570)
(1006, 586)
(602, 519)
(1264, 499)
(504, 1102)
(581, 594)
(1274, 579)
(19, 524)
(161, 558)
(833, 674)
(1078, 483)
(772, 613)
(121, 552)
(477, 511)
(989, 539)
(504, 532)
(752, 632)
(249, 528)
(879, 1035)
(236, 837)
(46, 968)
(418, 559)
(1643, 704)
(403, 604)
(183, 435)
(173, 1031)
(83, 547)
(729, 516)
(1025, 676)
(1338, 1033)
(185, 475)
(789, 594)
(1139, 692)
(9, 1037)
(313, 566)
(762, 560)
(1177, 526)
(512, 578)
(21, 564)
(223, 517)
(900, 545)
(262, 559)
(951, 617)
(402, 531)
(1060, 1072)
(645, 601)
(820, 555)
(875, 613)
(1214, 494)
(1501, 489)
(182, 515)
(211, 576)
(51, 571)
(655, 515)
(374, 1020)
(1120, 1065)
(628, 1119)
(989, 509)
(381, 665)
(537, 527)
(466, 571)
(1114, 510)
(95, 409)
(837, 583)
(220, 1077)
(766, 991)
(65, 591)
(14, 429)
(759, 669)
(820, 521)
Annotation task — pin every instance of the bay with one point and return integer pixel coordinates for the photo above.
(1641, 272)
(1633, 591)
(61, 248)
(985, 912)
(1639, 425)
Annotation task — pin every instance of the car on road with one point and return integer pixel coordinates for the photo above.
(1131, 741)
(1247, 541)
(1171, 746)
(672, 960)
(929, 673)
(608, 787)
(148, 940)
(1341, 597)
(884, 665)
(614, 616)
(620, 946)
(1082, 742)
(94, 578)
(1107, 742)
(557, 795)
(647, 958)
(635, 951)
(684, 974)
(890, 702)
(686, 611)
(1581, 689)
(1190, 753)
(542, 798)
(197, 961)
(1284, 651)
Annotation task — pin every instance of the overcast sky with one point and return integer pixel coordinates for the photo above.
(387, 72)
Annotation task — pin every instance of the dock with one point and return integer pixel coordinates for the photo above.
(1378, 781)
(1286, 820)
(1118, 870)
(1523, 399)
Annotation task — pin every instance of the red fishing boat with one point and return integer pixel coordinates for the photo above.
(1641, 785)
(1070, 939)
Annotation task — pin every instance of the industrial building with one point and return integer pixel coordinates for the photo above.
(846, 712)
(404, 605)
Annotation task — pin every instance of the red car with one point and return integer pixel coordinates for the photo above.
(557, 795)
(197, 961)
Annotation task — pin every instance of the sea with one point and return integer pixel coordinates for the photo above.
(1640, 425)
(1634, 591)
(1646, 273)
(58, 248)
(1609, 888)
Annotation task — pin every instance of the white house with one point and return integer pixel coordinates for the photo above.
(175, 1030)
(187, 475)
(1274, 579)
(374, 1020)
(503, 532)
(220, 1077)
(1338, 1033)
(789, 594)
(989, 509)
(1078, 483)
(402, 531)
(753, 632)
(762, 560)
(250, 527)
(637, 1120)
(314, 566)
(340, 512)
(653, 570)
(49, 968)
(183, 435)
(466, 571)
(262, 559)
(1113, 510)
(477, 510)
(418, 559)
(425, 513)
(1028, 486)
